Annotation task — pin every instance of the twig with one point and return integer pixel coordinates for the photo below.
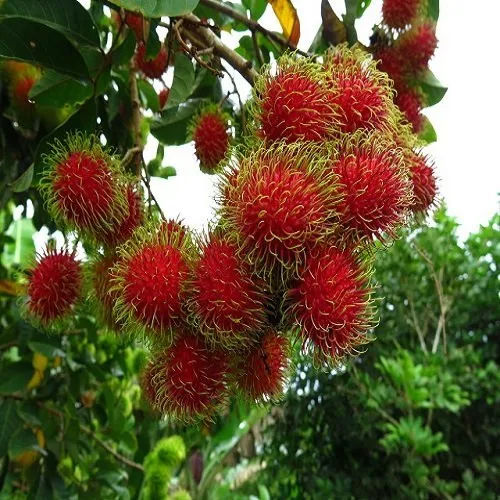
(152, 196)
(108, 448)
(256, 47)
(416, 325)
(240, 101)
(129, 156)
(136, 120)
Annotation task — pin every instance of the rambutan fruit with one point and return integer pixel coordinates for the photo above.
(362, 94)
(210, 131)
(390, 61)
(82, 185)
(283, 200)
(226, 304)
(54, 287)
(152, 68)
(374, 185)
(191, 379)
(293, 104)
(163, 97)
(424, 182)
(417, 46)
(171, 227)
(123, 230)
(410, 103)
(398, 14)
(148, 385)
(150, 277)
(261, 373)
(331, 304)
(136, 22)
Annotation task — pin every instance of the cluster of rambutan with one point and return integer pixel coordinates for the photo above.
(330, 166)
(404, 46)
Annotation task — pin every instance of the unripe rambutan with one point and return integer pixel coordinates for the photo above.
(294, 104)
(163, 97)
(282, 201)
(54, 286)
(331, 303)
(374, 185)
(362, 94)
(398, 14)
(424, 182)
(227, 304)
(153, 68)
(261, 373)
(417, 46)
(82, 185)
(211, 135)
(150, 277)
(191, 380)
(410, 103)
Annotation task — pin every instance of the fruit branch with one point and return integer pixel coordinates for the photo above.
(136, 120)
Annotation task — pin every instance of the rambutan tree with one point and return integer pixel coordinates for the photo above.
(126, 326)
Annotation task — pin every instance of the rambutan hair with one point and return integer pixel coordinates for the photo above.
(282, 201)
(172, 226)
(261, 372)
(293, 103)
(331, 303)
(82, 185)
(424, 182)
(54, 286)
(155, 67)
(210, 131)
(374, 185)
(227, 305)
(417, 46)
(398, 14)
(190, 379)
(150, 277)
(362, 94)
(147, 382)
(390, 61)
(410, 103)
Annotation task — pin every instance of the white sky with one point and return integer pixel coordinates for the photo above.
(466, 120)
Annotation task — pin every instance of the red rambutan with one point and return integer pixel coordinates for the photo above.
(190, 379)
(227, 304)
(424, 182)
(374, 185)
(261, 373)
(54, 286)
(148, 384)
(391, 62)
(163, 97)
(282, 201)
(398, 14)
(210, 132)
(293, 105)
(173, 227)
(331, 303)
(417, 46)
(155, 67)
(137, 24)
(410, 104)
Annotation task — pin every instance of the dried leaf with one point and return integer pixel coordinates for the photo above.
(288, 18)
(334, 30)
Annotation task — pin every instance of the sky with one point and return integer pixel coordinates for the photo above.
(466, 120)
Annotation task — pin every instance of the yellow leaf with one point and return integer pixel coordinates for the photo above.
(40, 361)
(10, 287)
(288, 18)
(36, 380)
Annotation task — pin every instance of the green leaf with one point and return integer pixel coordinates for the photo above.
(54, 89)
(171, 128)
(39, 44)
(148, 95)
(166, 172)
(49, 350)
(124, 52)
(256, 8)
(23, 182)
(23, 440)
(68, 17)
(14, 377)
(8, 424)
(362, 6)
(433, 9)
(432, 88)
(22, 250)
(428, 133)
(159, 8)
(183, 82)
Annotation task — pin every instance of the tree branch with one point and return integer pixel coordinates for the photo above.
(136, 121)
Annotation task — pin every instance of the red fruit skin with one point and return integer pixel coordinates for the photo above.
(163, 97)
(174, 228)
(295, 107)
(417, 46)
(21, 90)
(330, 303)
(375, 193)
(83, 187)
(410, 104)
(154, 281)
(262, 372)
(391, 62)
(153, 68)
(424, 183)
(136, 23)
(211, 140)
(227, 303)
(191, 380)
(398, 14)
(54, 286)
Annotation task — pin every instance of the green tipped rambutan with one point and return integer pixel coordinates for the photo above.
(374, 185)
(417, 46)
(423, 180)
(150, 277)
(191, 379)
(398, 14)
(82, 185)
(173, 227)
(210, 131)
(155, 67)
(54, 287)
(331, 304)
(293, 104)
(227, 304)
(282, 201)
(362, 94)
(261, 372)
